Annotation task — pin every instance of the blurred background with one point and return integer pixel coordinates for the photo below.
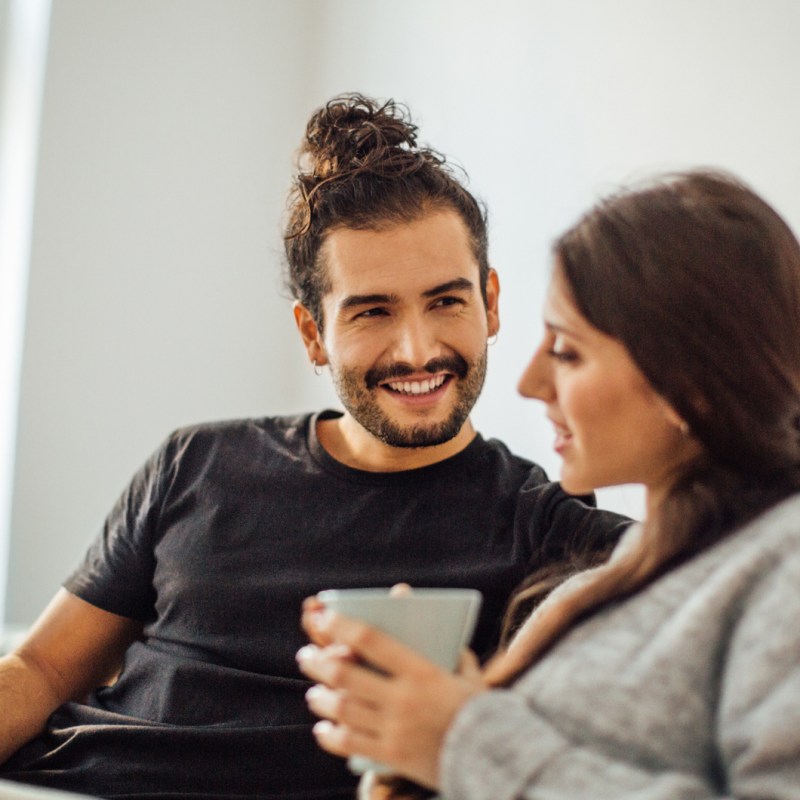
(145, 156)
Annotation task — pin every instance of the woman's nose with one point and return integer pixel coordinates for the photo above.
(537, 379)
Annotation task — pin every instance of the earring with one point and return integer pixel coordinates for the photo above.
(317, 367)
(492, 339)
(683, 427)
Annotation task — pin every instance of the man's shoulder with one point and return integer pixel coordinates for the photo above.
(500, 450)
(255, 435)
(496, 456)
(284, 425)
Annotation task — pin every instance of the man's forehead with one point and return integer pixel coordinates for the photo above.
(418, 255)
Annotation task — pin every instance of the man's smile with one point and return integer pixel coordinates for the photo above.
(417, 387)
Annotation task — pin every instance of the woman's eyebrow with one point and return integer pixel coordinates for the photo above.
(554, 327)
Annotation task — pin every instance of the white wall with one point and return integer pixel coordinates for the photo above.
(167, 133)
(23, 50)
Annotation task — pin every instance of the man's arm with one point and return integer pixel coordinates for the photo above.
(565, 529)
(72, 648)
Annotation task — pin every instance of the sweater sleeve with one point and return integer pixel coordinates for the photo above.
(500, 747)
(759, 707)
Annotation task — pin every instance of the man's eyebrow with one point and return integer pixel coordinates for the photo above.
(366, 299)
(457, 284)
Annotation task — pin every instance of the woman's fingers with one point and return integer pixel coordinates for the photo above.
(378, 649)
(336, 667)
(372, 787)
(469, 668)
(351, 722)
(379, 698)
(312, 608)
(339, 706)
(342, 740)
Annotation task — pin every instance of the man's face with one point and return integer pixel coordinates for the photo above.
(406, 327)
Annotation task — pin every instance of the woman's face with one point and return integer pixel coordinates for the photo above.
(611, 427)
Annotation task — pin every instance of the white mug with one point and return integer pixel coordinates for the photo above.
(437, 623)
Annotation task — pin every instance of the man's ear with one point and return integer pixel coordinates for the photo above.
(310, 334)
(492, 302)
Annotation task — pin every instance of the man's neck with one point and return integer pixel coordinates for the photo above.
(346, 441)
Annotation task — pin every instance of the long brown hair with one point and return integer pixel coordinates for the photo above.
(699, 278)
(360, 167)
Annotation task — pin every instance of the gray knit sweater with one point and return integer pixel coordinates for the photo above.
(690, 689)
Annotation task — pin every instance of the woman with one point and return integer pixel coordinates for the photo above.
(671, 357)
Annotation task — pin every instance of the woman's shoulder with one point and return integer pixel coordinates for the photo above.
(777, 529)
(749, 560)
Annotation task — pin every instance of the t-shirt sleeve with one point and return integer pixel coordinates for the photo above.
(565, 528)
(117, 571)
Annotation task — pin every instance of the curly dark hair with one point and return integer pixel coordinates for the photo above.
(360, 167)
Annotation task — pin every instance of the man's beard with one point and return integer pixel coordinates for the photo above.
(356, 391)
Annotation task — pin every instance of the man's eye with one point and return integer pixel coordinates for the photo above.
(371, 312)
(448, 302)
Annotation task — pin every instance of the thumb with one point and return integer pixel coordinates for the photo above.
(469, 667)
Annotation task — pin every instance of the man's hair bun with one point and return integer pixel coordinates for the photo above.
(352, 134)
(359, 166)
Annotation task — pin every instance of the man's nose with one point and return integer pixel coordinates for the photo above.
(415, 344)
(537, 379)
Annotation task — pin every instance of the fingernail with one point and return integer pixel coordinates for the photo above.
(321, 618)
(313, 693)
(304, 653)
(322, 728)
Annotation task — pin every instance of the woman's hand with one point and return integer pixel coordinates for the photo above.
(398, 712)
(312, 605)
(387, 787)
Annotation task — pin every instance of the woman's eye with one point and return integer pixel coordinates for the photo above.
(559, 350)
(563, 356)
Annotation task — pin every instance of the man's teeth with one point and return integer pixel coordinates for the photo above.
(417, 387)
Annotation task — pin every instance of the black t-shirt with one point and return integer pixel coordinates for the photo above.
(214, 545)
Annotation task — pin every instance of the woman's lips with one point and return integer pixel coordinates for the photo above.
(563, 436)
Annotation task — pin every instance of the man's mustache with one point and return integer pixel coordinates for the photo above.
(455, 364)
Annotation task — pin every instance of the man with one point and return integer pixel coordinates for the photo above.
(186, 610)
